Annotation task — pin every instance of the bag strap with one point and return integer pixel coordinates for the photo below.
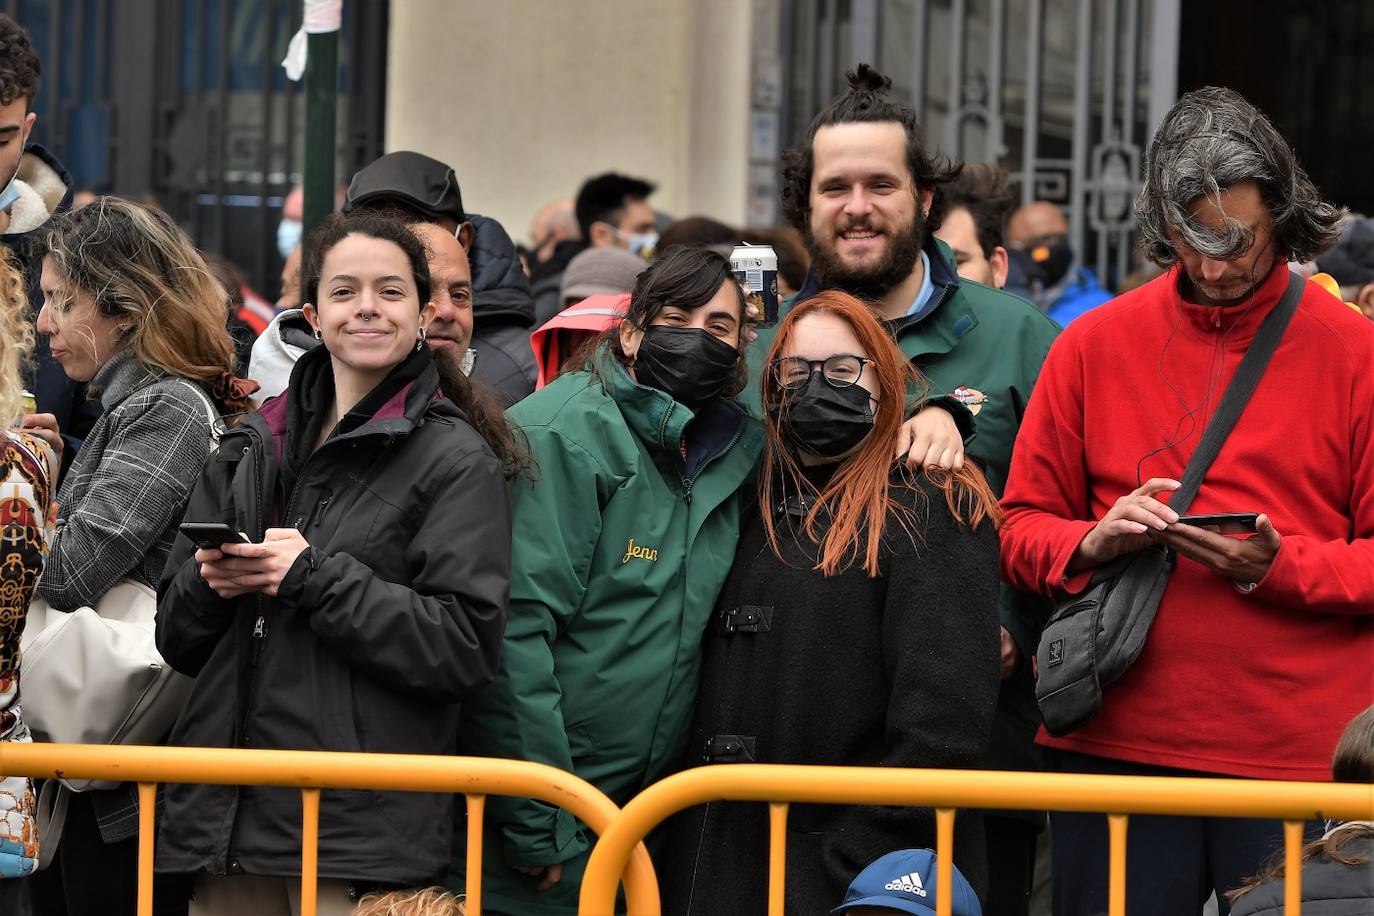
(216, 423)
(1238, 393)
(51, 817)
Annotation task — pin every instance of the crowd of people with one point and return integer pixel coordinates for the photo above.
(575, 503)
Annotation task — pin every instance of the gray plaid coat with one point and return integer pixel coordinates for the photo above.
(120, 505)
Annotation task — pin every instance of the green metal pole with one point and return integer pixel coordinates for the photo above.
(321, 91)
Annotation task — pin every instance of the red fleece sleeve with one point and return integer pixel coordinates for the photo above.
(1046, 499)
(1335, 576)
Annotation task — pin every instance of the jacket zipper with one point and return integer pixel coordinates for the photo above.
(259, 634)
(689, 482)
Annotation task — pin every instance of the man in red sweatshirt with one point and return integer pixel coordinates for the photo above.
(1262, 648)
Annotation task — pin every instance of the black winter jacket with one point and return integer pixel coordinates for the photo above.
(377, 632)
(502, 313)
(899, 670)
(1329, 888)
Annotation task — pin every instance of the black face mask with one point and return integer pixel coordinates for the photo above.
(825, 420)
(688, 363)
(1053, 256)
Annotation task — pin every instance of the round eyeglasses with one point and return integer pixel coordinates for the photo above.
(839, 371)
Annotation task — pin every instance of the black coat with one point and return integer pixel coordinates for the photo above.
(376, 633)
(502, 313)
(1329, 888)
(897, 670)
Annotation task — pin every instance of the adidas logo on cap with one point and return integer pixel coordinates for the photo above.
(911, 884)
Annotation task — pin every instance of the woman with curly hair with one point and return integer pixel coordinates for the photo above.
(28, 470)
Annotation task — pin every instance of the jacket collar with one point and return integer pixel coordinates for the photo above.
(393, 408)
(120, 377)
(1235, 324)
(652, 415)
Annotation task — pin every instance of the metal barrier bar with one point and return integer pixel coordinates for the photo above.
(955, 789)
(1116, 864)
(944, 862)
(477, 807)
(310, 849)
(327, 770)
(777, 857)
(1292, 870)
(147, 809)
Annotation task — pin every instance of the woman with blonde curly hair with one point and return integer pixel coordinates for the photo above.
(28, 470)
(130, 307)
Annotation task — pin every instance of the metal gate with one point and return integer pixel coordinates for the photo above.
(182, 103)
(1064, 93)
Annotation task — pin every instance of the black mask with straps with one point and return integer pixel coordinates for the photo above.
(825, 420)
(690, 364)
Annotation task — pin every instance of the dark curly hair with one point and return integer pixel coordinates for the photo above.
(19, 65)
(1211, 139)
(865, 102)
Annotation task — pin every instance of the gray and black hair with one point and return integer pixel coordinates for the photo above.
(1210, 140)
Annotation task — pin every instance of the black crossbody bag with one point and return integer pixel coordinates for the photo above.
(1093, 637)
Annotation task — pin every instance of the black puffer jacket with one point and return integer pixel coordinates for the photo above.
(1329, 888)
(395, 614)
(502, 313)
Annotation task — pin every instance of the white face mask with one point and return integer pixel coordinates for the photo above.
(288, 236)
(643, 244)
(11, 192)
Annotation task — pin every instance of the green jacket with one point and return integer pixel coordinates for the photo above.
(621, 547)
(977, 343)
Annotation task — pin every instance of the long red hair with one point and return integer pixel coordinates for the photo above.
(857, 501)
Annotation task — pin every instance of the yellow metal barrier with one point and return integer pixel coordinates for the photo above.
(311, 771)
(947, 790)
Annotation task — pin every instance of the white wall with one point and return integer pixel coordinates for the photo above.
(526, 98)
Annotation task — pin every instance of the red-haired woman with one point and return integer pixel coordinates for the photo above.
(858, 625)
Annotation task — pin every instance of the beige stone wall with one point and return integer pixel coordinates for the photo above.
(526, 98)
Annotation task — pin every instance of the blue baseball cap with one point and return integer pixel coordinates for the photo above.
(905, 880)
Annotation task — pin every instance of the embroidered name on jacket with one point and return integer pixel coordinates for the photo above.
(634, 551)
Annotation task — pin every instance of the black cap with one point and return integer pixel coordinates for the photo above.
(1351, 261)
(411, 180)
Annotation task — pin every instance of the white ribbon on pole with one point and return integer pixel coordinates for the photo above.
(320, 16)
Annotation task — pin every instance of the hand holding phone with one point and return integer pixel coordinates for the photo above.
(211, 535)
(1223, 522)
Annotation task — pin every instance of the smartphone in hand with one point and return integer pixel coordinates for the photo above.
(1223, 522)
(211, 535)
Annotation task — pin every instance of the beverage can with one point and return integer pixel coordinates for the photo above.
(756, 269)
